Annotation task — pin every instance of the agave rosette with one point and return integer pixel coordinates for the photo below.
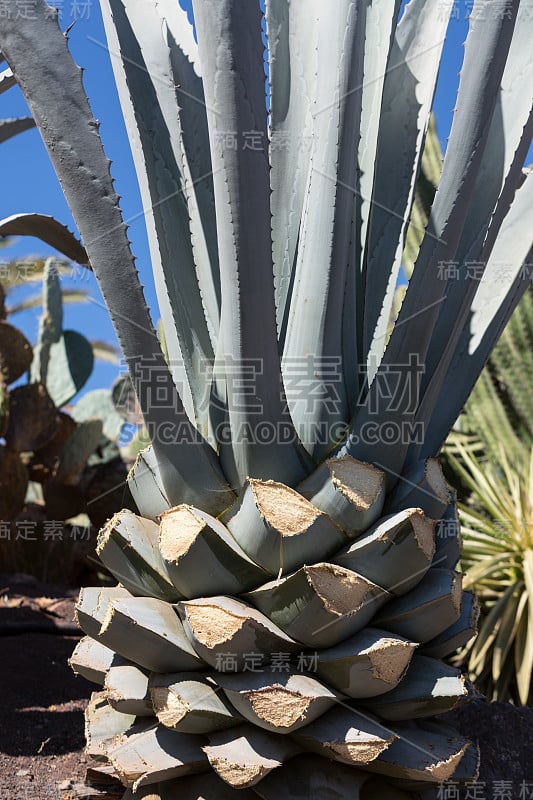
(241, 643)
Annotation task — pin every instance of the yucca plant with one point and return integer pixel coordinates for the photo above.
(498, 564)
(298, 590)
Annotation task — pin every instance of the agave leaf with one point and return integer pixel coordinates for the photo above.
(279, 529)
(10, 128)
(146, 484)
(427, 610)
(231, 51)
(244, 756)
(423, 486)
(429, 687)
(486, 51)
(103, 725)
(426, 187)
(92, 605)
(46, 228)
(507, 145)
(311, 776)
(202, 558)
(91, 660)
(224, 630)
(458, 634)
(147, 632)
(396, 552)
(157, 754)
(366, 665)
(190, 703)
(350, 492)
(409, 86)
(423, 752)
(127, 546)
(149, 66)
(346, 735)
(61, 110)
(277, 702)
(126, 689)
(207, 786)
(292, 53)
(385, 791)
(492, 306)
(448, 539)
(320, 605)
(381, 32)
(328, 225)
(7, 80)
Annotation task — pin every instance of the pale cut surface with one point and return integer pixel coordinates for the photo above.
(282, 508)
(390, 658)
(213, 625)
(169, 706)
(238, 775)
(359, 483)
(179, 528)
(437, 481)
(424, 531)
(279, 706)
(341, 590)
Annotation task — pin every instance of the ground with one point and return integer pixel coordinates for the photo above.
(41, 713)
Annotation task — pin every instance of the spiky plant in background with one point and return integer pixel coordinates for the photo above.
(498, 562)
(280, 246)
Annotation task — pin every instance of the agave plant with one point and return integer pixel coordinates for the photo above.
(289, 586)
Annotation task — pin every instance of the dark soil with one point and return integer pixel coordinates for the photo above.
(41, 711)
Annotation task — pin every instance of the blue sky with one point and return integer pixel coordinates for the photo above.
(33, 185)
